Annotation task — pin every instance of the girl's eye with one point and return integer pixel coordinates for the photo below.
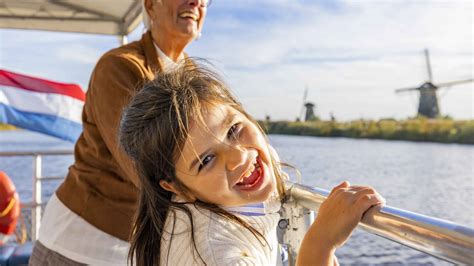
(234, 131)
(205, 161)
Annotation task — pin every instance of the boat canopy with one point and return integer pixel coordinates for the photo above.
(111, 17)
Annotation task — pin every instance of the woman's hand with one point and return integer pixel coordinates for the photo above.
(337, 217)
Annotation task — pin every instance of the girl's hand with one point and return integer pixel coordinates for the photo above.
(341, 212)
(337, 217)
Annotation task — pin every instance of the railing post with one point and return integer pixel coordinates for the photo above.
(295, 221)
(123, 39)
(36, 210)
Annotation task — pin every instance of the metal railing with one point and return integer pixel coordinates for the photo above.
(439, 238)
(36, 203)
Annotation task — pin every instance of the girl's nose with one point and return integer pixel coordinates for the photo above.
(236, 156)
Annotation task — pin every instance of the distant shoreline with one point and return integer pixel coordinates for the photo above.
(418, 130)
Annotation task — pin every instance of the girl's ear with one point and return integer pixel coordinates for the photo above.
(172, 188)
(169, 187)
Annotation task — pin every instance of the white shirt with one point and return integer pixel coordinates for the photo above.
(169, 65)
(220, 241)
(66, 233)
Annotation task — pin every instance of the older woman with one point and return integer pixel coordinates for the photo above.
(88, 220)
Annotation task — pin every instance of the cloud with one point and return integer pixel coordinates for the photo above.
(64, 57)
(79, 53)
(352, 55)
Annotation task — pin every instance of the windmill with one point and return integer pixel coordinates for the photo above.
(308, 106)
(428, 105)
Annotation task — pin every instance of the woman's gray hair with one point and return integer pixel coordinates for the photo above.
(145, 17)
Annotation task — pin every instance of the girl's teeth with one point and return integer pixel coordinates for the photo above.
(250, 171)
(254, 166)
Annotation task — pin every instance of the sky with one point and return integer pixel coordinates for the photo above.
(351, 55)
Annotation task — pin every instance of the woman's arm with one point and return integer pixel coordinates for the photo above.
(115, 79)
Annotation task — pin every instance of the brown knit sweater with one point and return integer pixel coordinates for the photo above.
(102, 186)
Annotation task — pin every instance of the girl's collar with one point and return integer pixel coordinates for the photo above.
(272, 205)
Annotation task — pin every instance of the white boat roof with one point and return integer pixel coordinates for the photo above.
(112, 17)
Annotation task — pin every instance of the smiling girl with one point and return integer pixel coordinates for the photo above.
(210, 186)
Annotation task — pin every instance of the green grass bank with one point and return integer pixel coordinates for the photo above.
(419, 129)
(7, 127)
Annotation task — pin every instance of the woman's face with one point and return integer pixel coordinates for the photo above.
(177, 19)
(227, 164)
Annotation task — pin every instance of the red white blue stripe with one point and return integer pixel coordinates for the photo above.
(41, 105)
(256, 209)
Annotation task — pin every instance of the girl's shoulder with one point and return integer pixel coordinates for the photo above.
(201, 219)
(217, 239)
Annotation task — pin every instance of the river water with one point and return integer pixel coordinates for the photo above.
(427, 178)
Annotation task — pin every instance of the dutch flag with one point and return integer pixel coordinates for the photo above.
(40, 105)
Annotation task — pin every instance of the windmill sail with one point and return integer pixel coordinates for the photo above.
(428, 66)
(305, 96)
(407, 89)
(452, 83)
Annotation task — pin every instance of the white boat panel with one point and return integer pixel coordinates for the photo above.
(112, 17)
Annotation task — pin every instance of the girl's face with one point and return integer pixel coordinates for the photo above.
(229, 164)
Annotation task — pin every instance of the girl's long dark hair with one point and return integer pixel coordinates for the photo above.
(153, 130)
